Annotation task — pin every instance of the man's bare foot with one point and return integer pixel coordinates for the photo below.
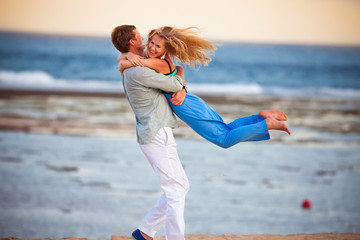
(278, 115)
(274, 124)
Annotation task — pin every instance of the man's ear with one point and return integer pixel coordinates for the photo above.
(131, 42)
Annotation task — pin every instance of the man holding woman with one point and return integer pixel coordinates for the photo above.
(147, 91)
(167, 44)
(154, 122)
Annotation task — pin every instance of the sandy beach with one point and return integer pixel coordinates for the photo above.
(319, 236)
(69, 156)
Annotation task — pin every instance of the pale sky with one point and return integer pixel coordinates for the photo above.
(274, 21)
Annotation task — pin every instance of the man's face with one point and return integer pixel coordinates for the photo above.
(138, 41)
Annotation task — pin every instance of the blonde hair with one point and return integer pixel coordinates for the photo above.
(185, 45)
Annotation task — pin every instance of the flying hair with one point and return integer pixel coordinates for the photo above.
(185, 45)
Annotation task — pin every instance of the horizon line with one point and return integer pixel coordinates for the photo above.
(226, 41)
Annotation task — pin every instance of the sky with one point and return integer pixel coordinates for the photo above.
(330, 22)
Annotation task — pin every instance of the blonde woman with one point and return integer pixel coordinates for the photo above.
(168, 44)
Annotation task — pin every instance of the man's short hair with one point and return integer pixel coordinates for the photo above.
(121, 35)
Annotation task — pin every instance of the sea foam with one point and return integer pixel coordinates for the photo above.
(44, 81)
(40, 80)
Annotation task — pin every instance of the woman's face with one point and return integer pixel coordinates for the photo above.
(156, 47)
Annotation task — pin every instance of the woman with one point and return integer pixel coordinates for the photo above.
(167, 44)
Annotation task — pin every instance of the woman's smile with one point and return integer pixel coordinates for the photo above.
(156, 47)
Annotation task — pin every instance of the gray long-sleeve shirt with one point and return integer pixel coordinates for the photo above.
(143, 88)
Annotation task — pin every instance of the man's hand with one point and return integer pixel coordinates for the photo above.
(178, 98)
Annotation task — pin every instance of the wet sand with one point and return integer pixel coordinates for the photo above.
(318, 236)
(109, 114)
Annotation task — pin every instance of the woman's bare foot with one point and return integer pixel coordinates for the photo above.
(274, 124)
(278, 115)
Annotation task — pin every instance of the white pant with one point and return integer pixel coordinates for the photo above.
(162, 155)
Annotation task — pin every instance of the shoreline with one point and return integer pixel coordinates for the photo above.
(8, 92)
(308, 236)
(108, 114)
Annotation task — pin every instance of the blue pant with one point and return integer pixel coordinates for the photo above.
(208, 124)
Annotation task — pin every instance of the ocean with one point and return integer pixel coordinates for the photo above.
(89, 63)
(70, 164)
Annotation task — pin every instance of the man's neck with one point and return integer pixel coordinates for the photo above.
(136, 51)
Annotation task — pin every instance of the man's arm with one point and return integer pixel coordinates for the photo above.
(180, 72)
(149, 78)
(178, 97)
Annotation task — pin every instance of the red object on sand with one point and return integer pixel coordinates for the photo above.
(306, 204)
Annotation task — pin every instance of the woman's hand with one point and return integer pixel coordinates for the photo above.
(120, 57)
(121, 67)
(135, 59)
(124, 64)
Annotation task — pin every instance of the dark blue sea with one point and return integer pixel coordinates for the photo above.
(89, 63)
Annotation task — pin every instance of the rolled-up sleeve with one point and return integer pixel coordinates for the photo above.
(149, 78)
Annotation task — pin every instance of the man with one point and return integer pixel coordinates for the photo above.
(154, 122)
